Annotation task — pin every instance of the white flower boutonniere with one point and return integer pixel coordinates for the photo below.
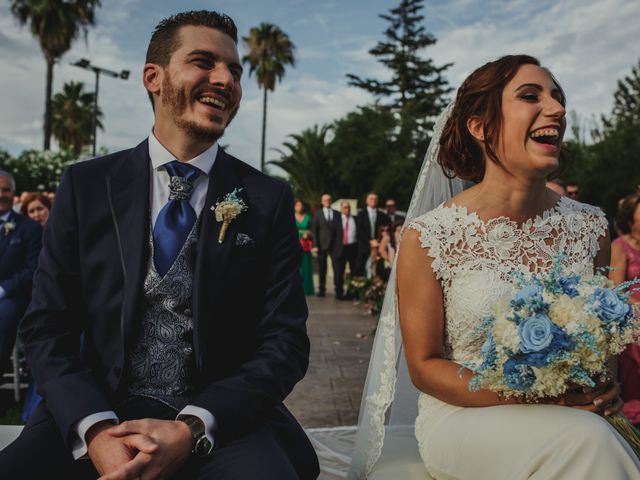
(227, 210)
(9, 227)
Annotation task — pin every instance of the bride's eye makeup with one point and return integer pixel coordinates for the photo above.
(530, 97)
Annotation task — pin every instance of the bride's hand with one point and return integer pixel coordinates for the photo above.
(603, 399)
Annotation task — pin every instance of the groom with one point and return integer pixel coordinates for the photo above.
(148, 313)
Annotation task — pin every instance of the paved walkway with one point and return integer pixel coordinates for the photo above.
(341, 339)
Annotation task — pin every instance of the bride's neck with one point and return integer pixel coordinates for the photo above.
(501, 193)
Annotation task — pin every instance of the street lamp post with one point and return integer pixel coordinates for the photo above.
(86, 64)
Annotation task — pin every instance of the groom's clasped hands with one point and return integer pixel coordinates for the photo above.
(147, 448)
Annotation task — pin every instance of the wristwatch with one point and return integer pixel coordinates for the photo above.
(201, 444)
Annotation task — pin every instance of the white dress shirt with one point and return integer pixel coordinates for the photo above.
(159, 195)
(328, 214)
(373, 214)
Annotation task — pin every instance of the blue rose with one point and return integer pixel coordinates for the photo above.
(518, 376)
(536, 333)
(608, 306)
(568, 285)
(561, 342)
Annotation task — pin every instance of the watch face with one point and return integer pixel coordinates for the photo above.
(202, 447)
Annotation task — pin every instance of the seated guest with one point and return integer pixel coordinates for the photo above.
(383, 257)
(36, 206)
(20, 243)
(625, 261)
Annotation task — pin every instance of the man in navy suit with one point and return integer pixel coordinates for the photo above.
(192, 319)
(20, 244)
(368, 221)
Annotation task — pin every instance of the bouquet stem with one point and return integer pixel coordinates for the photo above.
(223, 230)
(626, 430)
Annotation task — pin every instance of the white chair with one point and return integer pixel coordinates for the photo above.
(400, 459)
(8, 433)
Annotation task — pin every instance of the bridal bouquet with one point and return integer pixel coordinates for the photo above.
(556, 332)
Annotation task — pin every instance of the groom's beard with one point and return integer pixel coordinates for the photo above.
(177, 99)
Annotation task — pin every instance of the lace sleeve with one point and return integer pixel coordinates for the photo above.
(595, 226)
(429, 228)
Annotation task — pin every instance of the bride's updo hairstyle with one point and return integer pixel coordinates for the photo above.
(479, 95)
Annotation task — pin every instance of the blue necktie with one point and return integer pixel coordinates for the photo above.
(176, 218)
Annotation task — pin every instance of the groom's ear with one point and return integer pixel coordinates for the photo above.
(475, 125)
(152, 77)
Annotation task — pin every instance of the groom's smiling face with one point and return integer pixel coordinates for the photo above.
(200, 88)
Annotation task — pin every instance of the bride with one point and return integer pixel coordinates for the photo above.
(503, 133)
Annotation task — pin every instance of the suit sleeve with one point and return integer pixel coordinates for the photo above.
(54, 321)
(20, 282)
(314, 230)
(282, 355)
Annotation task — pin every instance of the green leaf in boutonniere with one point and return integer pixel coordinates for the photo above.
(227, 210)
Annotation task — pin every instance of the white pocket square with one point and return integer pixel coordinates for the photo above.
(243, 239)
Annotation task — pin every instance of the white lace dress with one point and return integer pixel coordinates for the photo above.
(474, 262)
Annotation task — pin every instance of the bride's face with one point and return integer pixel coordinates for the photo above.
(533, 123)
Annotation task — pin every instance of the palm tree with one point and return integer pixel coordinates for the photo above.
(56, 24)
(308, 164)
(72, 121)
(270, 50)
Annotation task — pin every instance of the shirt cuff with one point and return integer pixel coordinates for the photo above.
(2, 293)
(205, 415)
(79, 447)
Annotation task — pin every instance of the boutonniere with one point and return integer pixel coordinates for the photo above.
(227, 210)
(9, 227)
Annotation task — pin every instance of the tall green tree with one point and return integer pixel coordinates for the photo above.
(607, 169)
(308, 164)
(72, 122)
(270, 51)
(365, 153)
(417, 90)
(626, 100)
(55, 24)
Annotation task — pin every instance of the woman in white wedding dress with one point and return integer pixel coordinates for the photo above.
(504, 133)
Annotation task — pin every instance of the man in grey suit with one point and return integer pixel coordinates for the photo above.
(324, 235)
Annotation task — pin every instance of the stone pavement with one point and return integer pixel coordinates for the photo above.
(341, 336)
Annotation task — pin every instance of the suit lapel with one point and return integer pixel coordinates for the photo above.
(212, 256)
(128, 189)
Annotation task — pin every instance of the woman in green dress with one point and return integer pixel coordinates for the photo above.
(303, 219)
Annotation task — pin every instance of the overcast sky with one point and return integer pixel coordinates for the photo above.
(588, 44)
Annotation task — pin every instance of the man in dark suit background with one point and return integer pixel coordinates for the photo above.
(368, 221)
(394, 217)
(192, 320)
(20, 244)
(324, 235)
(345, 250)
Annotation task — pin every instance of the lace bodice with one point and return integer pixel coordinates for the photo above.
(475, 260)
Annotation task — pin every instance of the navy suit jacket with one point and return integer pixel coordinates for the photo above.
(250, 339)
(19, 250)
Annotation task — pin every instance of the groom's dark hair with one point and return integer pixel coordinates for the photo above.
(165, 39)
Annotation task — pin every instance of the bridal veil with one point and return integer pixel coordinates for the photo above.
(389, 400)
